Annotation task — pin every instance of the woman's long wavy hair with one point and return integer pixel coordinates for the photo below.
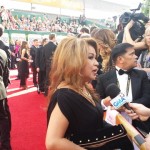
(68, 61)
(24, 46)
(106, 39)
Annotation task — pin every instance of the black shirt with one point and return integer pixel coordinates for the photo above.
(81, 114)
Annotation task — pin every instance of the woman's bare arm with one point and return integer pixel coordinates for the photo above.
(57, 127)
(127, 37)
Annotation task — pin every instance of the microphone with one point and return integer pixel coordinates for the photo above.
(118, 98)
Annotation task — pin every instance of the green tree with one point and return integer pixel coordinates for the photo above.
(146, 7)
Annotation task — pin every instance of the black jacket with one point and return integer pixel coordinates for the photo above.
(39, 59)
(33, 51)
(139, 82)
(48, 51)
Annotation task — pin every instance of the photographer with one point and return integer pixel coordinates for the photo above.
(127, 36)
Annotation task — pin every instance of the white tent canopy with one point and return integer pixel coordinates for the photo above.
(95, 9)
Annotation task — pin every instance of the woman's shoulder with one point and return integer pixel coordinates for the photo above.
(64, 92)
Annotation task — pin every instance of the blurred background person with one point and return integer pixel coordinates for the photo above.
(48, 51)
(24, 64)
(40, 65)
(84, 30)
(13, 58)
(18, 56)
(33, 51)
(106, 41)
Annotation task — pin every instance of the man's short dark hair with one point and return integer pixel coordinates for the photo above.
(119, 50)
(52, 36)
(92, 28)
(85, 30)
(35, 40)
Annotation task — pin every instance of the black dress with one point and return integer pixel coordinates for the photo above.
(24, 70)
(83, 117)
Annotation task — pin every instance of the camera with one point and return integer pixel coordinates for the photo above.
(127, 16)
(138, 28)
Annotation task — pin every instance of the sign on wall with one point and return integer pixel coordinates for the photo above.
(5, 38)
(18, 36)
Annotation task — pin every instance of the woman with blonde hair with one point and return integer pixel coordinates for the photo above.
(106, 41)
(74, 110)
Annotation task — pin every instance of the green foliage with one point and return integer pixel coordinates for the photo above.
(146, 7)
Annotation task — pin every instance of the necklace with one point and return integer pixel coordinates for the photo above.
(87, 95)
(80, 91)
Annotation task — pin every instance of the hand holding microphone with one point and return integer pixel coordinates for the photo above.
(140, 111)
(135, 111)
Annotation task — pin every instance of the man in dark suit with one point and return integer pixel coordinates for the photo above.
(132, 82)
(40, 65)
(48, 51)
(33, 51)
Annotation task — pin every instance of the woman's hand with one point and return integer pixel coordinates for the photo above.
(106, 101)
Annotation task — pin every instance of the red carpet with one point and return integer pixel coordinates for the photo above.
(28, 112)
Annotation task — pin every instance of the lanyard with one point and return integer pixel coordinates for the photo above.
(128, 85)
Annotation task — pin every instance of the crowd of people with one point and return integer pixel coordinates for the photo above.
(41, 23)
(75, 75)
